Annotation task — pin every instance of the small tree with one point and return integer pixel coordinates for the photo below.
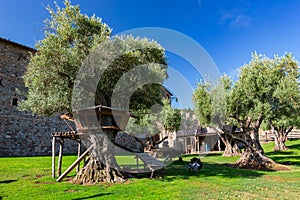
(210, 106)
(171, 117)
(284, 113)
(161, 119)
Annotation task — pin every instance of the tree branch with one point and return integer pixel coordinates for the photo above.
(259, 120)
(287, 132)
(245, 142)
(166, 137)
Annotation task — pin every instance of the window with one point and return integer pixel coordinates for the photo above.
(15, 101)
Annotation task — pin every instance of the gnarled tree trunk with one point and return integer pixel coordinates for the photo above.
(231, 147)
(101, 165)
(279, 141)
(280, 136)
(252, 158)
(255, 139)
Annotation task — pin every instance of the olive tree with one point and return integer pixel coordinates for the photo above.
(52, 75)
(267, 90)
(285, 102)
(211, 110)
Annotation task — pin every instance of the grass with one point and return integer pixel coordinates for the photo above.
(30, 178)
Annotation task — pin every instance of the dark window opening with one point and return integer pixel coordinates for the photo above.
(15, 101)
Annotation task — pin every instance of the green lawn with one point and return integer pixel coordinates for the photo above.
(30, 178)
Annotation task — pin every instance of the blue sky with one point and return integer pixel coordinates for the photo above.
(229, 30)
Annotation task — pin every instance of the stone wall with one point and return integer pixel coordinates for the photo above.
(21, 133)
(128, 141)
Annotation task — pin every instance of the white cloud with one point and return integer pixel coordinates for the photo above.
(225, 15)
(236, 17)
(240, 21)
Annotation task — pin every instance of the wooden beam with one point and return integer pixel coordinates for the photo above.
(74, 164)
(78, 155)
(137, 162)
(61, 147)
(53, 157)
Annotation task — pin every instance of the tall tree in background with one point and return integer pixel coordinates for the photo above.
(70, 37)
(285, 101)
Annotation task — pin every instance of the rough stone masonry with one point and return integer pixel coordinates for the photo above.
(21, 133)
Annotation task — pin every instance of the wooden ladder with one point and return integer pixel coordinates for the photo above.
(150, 162)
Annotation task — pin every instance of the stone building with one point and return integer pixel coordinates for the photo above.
(21, 133)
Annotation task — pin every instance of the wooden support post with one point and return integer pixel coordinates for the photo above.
(137, 162)
(74, 164)
(185, 147)
(53, 156)
(78, 155)
(196, 143)
(61, 147)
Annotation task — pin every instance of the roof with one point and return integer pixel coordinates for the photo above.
(17, 44)
(167, 91)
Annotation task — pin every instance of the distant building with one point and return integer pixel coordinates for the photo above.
(166, 94)
(192, 138)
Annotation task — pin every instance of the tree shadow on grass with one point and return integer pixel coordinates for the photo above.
(94, 196)
(287, 160)
(286, 157)
(7, 181)
(294, 146)
(279, 153)
(178, 170)
(297, 163)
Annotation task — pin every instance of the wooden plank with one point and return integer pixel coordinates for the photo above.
(78, 155)
(61, 147)
(149, 160)
(53, 157)
(74, 164)
(111, 128)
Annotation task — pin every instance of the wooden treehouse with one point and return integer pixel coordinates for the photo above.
(96, 120)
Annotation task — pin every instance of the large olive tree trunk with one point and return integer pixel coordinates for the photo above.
(253, 157)
(101, 165)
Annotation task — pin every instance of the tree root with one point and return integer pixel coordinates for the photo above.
(93, 172)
